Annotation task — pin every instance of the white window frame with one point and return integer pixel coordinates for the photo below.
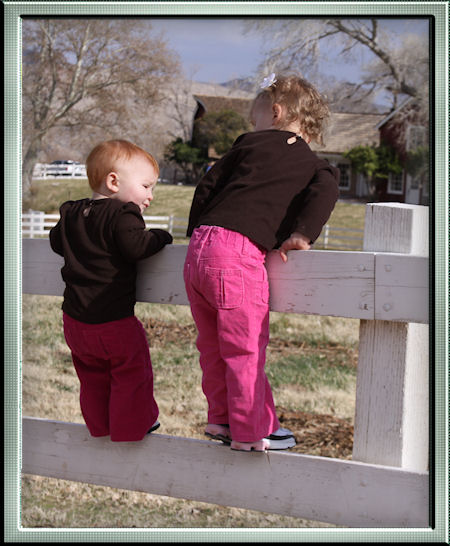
(390, 188)
(349, 170)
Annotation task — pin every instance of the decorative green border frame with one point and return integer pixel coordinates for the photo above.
(12, 253)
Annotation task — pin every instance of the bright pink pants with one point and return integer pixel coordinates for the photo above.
(227, 286)
(112, 361)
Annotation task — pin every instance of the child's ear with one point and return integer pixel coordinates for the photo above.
(277, 113)
(112, 182)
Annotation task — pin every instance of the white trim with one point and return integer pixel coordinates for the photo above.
(393, 191)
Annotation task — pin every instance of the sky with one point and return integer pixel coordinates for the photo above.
(212, 50)
(218, 50)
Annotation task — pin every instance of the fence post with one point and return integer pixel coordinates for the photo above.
(36, 222)
(325, 236)
(391, 420)
(171, 224)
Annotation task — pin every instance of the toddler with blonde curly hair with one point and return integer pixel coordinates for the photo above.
(270, 191)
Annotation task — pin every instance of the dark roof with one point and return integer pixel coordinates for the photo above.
(344, 130)
(347, 130)
(215, 104)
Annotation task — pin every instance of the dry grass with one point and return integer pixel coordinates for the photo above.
(50, 390)
(47, 195)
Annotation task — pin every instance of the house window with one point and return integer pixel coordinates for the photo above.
(395, 183)
(416, 137)
(344, 182)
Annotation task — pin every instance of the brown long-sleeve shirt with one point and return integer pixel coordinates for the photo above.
(101, 241)
(266, 187)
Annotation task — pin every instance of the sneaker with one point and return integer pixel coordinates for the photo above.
(280, 439)
(155, 425)
(218, 432)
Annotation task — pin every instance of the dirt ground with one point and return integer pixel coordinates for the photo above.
(323, 435)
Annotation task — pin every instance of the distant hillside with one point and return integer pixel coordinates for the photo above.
(233, 88)
(244, 84)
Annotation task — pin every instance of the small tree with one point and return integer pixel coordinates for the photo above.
(374, 162)
(417, 161)
(188, 157)
(219, 130)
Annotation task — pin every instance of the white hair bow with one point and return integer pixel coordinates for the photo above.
(268, 81)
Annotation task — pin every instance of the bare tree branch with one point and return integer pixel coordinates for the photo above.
(82, 73)
(399, 65)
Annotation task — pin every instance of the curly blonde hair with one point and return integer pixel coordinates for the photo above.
(303, 103)
(103, 159)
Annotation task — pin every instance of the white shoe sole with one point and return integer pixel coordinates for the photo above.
(266, 444)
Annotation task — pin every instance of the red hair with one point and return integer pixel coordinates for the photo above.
(103, 158)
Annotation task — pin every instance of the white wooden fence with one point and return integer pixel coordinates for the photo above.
(332, 237)
(36, 223)
(387, 482)
(47, 170)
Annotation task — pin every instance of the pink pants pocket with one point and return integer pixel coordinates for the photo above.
(223, 288)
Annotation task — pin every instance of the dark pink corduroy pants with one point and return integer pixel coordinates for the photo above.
(227, 286)
(112, 361)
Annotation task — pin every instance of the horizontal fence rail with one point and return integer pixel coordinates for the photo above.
(38, 224)
(330, 283)
(317, 488)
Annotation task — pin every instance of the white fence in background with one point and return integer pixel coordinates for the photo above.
(387, 483)
(37, 224)
(47, 170)
(331, 238)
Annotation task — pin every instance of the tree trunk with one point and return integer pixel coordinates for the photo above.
(28, 163)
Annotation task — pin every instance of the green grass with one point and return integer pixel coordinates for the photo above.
(310, 372)
(49, 194)
(174, 200)
(348, 215)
